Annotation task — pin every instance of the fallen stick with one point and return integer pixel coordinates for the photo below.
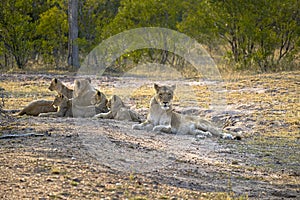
(12, 136)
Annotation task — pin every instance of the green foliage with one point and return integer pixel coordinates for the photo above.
(150, 13)
(52, 31)
(258, 33)
(16, 29)
(250, 34)
(94, 16)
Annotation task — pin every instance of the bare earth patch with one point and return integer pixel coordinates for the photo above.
(106, 159)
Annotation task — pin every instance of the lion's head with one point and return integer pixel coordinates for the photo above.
(115, 102)
(97, 98)
(59, 100)
(81, 86)
(164, 95)
(55, 85)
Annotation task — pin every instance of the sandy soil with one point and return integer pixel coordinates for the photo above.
(106, 159)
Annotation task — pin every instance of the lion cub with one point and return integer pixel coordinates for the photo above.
(64, 106)
(162, 118)
(60, 88)
(36, 107)
(97, 105)
(67, 109)
(119, 111)
(100, 102)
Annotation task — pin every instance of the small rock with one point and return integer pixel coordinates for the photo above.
(234, 162)
(77, 180)
(22, 180)
(119, 184)
(234, 129)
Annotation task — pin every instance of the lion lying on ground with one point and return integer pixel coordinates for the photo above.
(67, 109)
(98, 105)
(162, 118)
(60, 88)
(118, 111)
(38, 106)
(100, 101)
(64, 106)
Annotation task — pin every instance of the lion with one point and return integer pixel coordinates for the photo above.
(100, 102)
(60, 88)
(119, 111)
(83, 92)
(67, 109)
(162, 118)
(63, 105)
(36, 107)
(99, 105)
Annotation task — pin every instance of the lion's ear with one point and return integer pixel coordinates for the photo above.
(156, 87)
(55, 80)
(78, 83)
(173, 87)
(98, 93)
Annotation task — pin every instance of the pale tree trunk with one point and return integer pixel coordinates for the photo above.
(73, 55)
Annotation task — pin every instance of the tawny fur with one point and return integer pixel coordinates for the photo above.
(64, 106)
(100, 102)
(67, 109)
(60, 88)
(119, 111)
(162, 118)
(83, 92)
(36, 107)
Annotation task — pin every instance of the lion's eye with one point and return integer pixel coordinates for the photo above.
(169, 94)
(160, 95)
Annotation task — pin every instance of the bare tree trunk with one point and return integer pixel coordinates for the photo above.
(73, 55)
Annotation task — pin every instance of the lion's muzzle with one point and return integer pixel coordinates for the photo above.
(165, 105)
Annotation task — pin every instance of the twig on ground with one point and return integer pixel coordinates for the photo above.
(12, 136)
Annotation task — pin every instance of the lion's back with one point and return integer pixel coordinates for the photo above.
(38, 106)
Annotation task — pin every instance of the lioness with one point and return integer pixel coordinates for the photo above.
(119, 111)
(38, 106)
(99, 105)
(83, 92)
(100, 102)
(67, 109)
(162, 118)
(64, 106)
(60, 88)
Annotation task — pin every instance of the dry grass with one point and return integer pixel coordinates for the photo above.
(273, 104)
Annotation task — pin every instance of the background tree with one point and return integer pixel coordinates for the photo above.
(52, 34)
(250, 34)
(150, 13)
(73, 55)
(16, 30)
(260, 34)
(94, 15)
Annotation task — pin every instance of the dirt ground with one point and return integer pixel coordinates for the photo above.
(76, 158)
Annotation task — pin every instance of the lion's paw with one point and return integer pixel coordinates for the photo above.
(137, 126)
(227, 136)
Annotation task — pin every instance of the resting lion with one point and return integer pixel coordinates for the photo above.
(98, 101)
(38, 106)
(83, 92)
(66, 109)
(64, 106)
(162, 118)
(119, 111)
(60, 88)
